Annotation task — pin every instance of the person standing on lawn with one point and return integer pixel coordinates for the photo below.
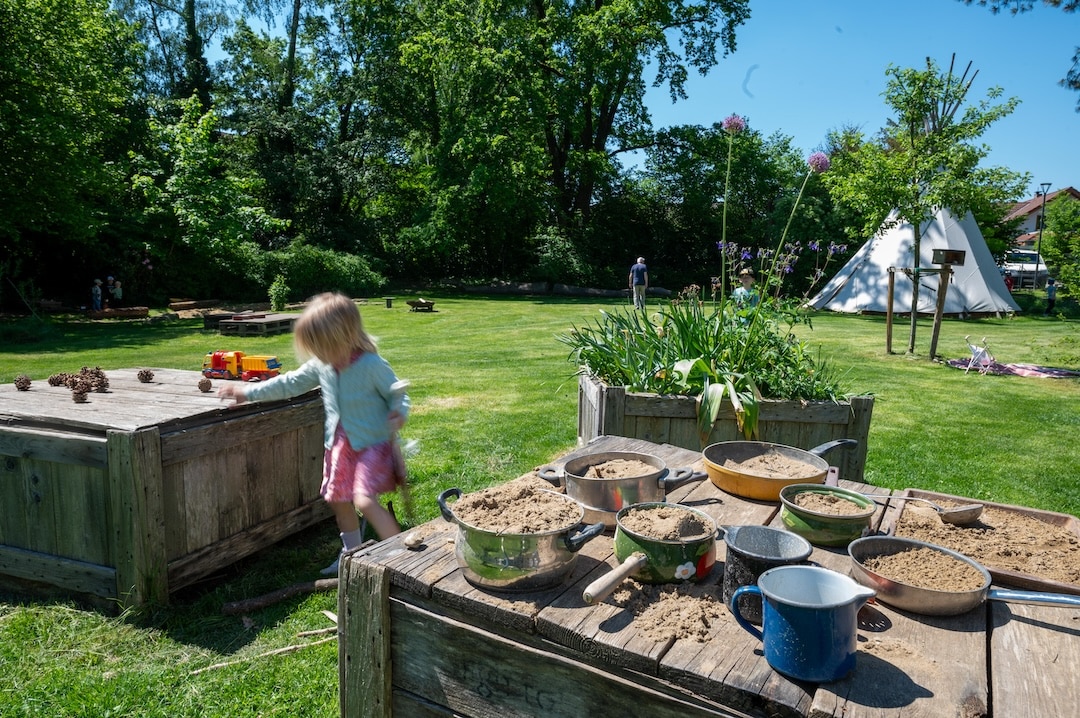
(1051, 295)
(95, 296)
(365, 406)
(639, 282)
(745, 295)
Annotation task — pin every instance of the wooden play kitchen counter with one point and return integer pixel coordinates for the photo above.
(417, 640)
(148, 487)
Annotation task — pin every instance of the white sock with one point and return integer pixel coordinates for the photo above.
(352, 539)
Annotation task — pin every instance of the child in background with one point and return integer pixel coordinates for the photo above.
(365, 407)
(95, 296)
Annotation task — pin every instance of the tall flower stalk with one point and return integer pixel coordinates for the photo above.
(732, 125)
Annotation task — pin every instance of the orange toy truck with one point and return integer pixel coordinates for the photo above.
(237, 365)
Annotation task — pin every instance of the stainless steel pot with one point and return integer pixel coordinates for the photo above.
(604, 498)
(516, 562)
(932, 602)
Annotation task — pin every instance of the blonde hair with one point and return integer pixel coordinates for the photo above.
(330, 323)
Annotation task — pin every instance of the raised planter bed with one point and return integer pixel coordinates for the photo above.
(612, 411)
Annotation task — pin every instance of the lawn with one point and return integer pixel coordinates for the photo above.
(493, 398)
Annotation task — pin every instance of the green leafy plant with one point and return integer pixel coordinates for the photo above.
(740, 349)
(279, 293)
(707, 349)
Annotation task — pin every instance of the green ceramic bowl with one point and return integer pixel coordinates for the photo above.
(825, 529)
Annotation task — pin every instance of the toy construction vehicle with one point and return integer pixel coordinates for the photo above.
(237, 365)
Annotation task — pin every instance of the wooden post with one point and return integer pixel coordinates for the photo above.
(888, 310)
(137, 534)
(944, 275)
(365, 680)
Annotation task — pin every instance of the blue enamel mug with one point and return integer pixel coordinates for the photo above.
(809, 621)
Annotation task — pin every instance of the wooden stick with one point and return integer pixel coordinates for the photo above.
(317, 632)
(247, 605)
(275, 652)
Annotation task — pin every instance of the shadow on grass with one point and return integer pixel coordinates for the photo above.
(78, 334)
(194, 615)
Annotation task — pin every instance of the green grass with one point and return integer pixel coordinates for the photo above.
(493, 397)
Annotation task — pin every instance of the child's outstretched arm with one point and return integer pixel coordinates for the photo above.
(234, 392)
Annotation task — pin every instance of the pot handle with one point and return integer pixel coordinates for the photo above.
(675, 478)
(443, 508)
(602, 587)
(575, 542)
(734, 606)
(548, 472)
(830, 445)
(1033, 598)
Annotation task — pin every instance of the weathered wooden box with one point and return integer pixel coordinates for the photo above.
(612, 411)
(149, 486)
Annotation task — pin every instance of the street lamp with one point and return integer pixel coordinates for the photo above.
(1038, 242)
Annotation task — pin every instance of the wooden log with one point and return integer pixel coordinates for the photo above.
(247, 605)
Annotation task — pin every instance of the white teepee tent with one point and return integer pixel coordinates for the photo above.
(862, 285)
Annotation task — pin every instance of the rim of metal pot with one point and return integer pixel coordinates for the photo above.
(817, 462)
(900, 544)
(709, 522)
(552, 532)
(790, 489)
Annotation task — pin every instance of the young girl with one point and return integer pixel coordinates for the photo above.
(364, 405)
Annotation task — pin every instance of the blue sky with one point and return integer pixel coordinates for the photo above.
(804, 68)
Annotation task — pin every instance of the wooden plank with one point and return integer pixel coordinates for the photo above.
(14, 485)
(80, 512)
(174, 500)
(68, 574)
(1034, 651)
(613, 411)
(481, 674)
(64, 447)
(365, 667)
(136, 520)
(243, 427)
(189, 568)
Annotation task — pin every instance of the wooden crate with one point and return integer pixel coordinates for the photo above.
(148, 487)
(612, 411)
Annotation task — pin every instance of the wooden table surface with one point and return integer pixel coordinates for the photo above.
(997, 660)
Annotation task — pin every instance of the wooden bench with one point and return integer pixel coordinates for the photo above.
(420, 305)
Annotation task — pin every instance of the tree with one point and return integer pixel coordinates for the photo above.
(65, 85)
(1015, 7)
(926, 158)
(1061, 241)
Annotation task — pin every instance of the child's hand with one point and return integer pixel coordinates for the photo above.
(232, 391)
(395, 420)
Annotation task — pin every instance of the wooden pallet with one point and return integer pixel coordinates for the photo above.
(260, 325)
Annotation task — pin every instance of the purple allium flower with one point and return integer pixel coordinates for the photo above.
(733, 124)
(814, 247)
(819, 162)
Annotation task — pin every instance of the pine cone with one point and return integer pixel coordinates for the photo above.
(204, 385)
(96, 377)
(59, 379)
(22, 382)
(80, 385)
(79, 397)
(146, 376)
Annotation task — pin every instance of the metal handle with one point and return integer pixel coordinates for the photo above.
(550, 473)
(602, 587)
(675, 478)
(734, 606)
(575, 542)
(1033, 598)
(830, 445)
(443, 508)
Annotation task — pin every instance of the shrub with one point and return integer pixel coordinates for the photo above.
(309, 270)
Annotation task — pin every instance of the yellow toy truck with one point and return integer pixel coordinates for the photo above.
(237, 365)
